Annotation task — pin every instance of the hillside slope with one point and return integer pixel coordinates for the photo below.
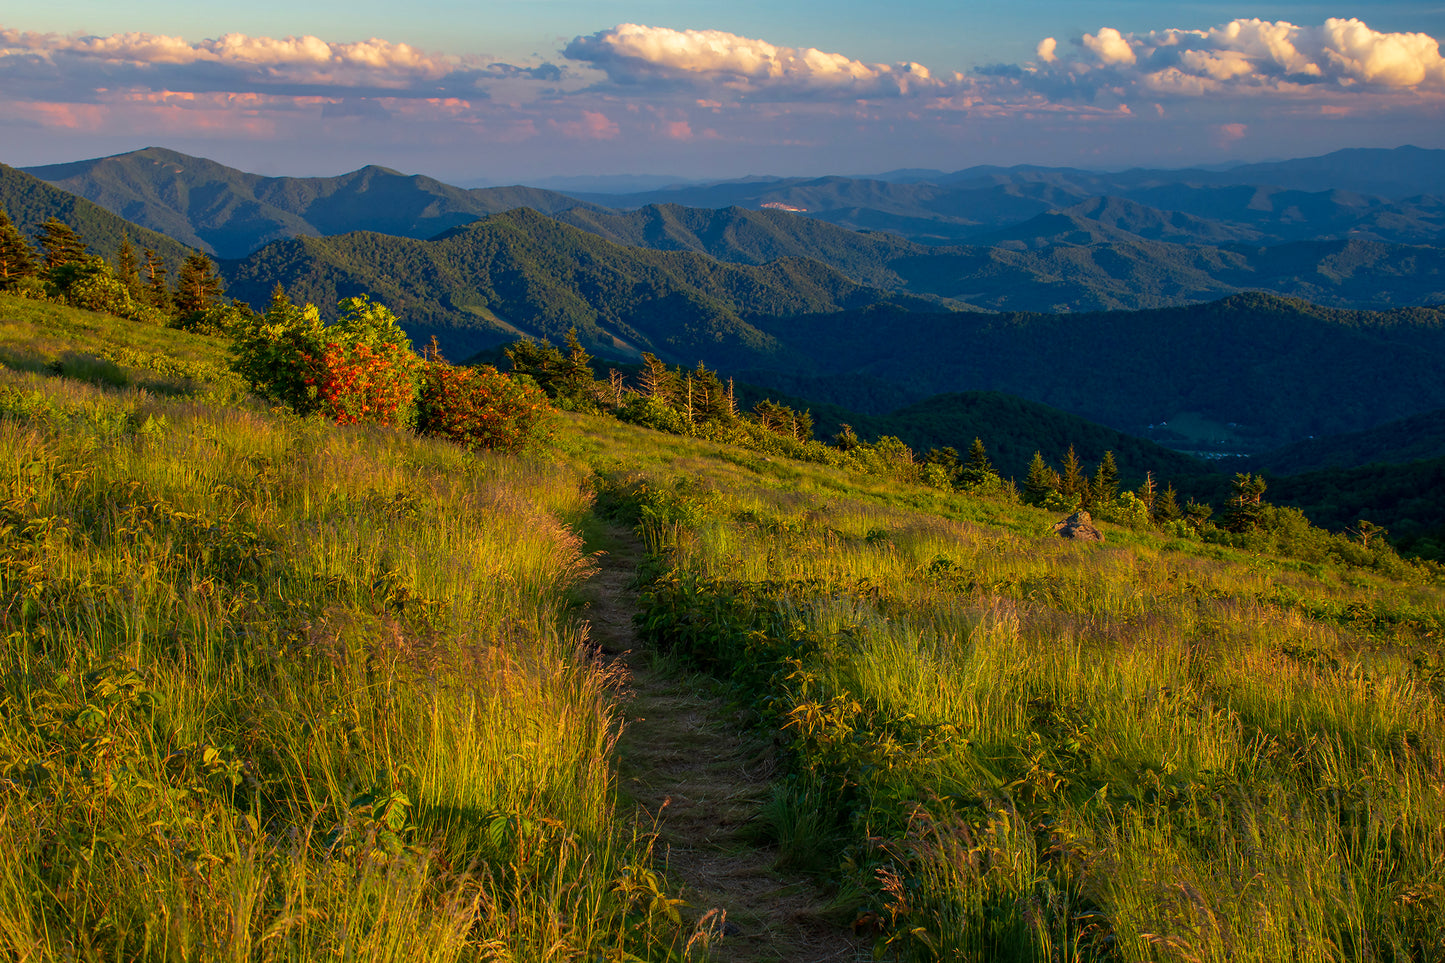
(521, 273)
(230, 213)
(30, 202)
(1280, 370)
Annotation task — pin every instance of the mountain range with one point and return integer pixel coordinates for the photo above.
(874, 321)
(1041, 241)
(30, 202)
(230, 213)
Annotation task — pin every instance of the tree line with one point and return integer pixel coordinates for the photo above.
(136, 285)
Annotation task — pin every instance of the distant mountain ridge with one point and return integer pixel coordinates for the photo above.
(30, 202)
(1040, 241)
(230, 213)
(523, 274)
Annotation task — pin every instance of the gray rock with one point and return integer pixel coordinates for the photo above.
(1078, 525)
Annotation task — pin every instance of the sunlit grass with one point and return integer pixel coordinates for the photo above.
(1150, 749)
(274, 690)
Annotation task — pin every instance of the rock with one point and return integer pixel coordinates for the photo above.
(1078, 525)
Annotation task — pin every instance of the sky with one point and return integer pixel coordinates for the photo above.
(519, 91)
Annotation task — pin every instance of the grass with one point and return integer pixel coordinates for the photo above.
(1039, 750)
(275, 690)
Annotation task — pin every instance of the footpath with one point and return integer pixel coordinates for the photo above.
(688, 763)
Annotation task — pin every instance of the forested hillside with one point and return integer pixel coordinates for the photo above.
(30, 202)
(523, 273)
(1280, 370)
(230, 213)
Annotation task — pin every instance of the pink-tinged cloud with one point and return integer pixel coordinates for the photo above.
(289, 58)
(592, 125)
(1257, 56)
(632, 54)
(49, 66)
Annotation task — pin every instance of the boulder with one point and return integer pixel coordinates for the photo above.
(1078, 525)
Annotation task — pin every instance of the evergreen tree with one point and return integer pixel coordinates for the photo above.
(1072, 484)
(127, 271)
(708, 395)
(1147, 492)
(576, 376)
(659, 382)
(1166, 506)
(979, 468)
(1197, 513)
(947, 459)
(1041, 481)
(1246, 504)
(17, 258)
(198, 286)
(61, 244)
(1105, 486)
(156, 294)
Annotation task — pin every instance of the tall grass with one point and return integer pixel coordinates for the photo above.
(273, 690)
(1028, 749)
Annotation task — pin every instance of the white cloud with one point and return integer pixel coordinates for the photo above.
(1045, 51)
(1260, 55)
(1109, 46)
(633, 54)
(298, 57)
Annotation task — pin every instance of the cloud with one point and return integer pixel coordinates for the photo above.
(33, 62)
(1109, 46)
(1248, 56)
(632, 54)
(592, 125)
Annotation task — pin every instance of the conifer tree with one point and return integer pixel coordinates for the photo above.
(156, 294)
(1105, 486)
(198, 286)
(947, 459)
(1072, 484)
(17, 258)
(1166, 506)
(1041, 481)
(1147, 492)
(978, 468)
(659, 382)
(61, 244)
(127, 271)
(1246, 504)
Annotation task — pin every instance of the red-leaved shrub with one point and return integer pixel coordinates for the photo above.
(478, 407)
(356, 383)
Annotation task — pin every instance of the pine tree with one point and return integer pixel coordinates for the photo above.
(198, 286)
(156, 294)
(17, 258)
(61, 244)
(1246, 505)
(1166, 506)
(978, 468)
(1041, 481)
(659, 382)
(127, 271)
(1105, 486)
(1072, 484)
(1147, 492)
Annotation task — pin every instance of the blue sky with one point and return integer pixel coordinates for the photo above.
(513, 90)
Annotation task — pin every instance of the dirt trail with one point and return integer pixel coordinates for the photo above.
(686, 759)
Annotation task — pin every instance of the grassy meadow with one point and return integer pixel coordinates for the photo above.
(274, 690)
(1032, 749)
(277, 690)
